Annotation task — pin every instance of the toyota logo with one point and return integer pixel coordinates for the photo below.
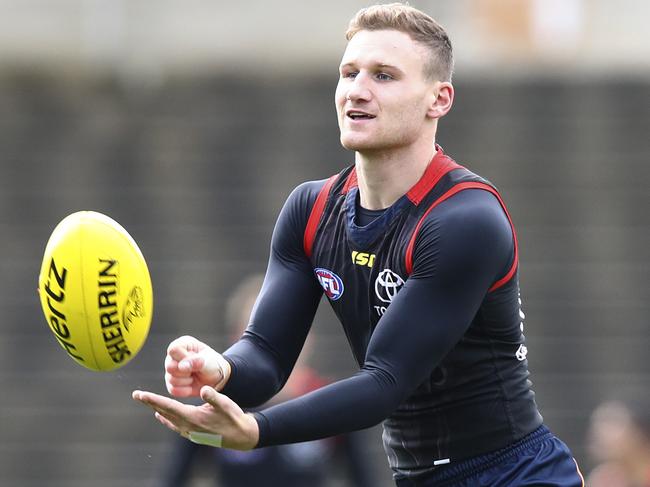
(387, 285)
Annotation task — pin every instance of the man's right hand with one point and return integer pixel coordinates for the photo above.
(191, 364)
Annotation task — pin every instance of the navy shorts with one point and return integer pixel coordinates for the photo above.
(539, 459)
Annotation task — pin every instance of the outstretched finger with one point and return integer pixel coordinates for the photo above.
(172, 425)
(166, 422)
(161, 403)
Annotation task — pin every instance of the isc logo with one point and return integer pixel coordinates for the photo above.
(330, 282)
(363, 258)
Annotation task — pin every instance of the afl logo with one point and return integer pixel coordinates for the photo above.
(331, 283)
(387, 285)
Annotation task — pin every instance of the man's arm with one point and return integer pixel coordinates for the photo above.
(264, 357)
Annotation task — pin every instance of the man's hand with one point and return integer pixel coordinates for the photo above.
(220, 417)
(191, 364)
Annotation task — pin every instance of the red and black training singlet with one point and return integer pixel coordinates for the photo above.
(428, 296)
(443, 419)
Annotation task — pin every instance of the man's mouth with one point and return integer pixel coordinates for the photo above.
(358, 115)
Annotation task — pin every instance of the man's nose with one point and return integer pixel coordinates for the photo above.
(359, 89)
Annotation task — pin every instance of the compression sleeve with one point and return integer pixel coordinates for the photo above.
(463, 247)
(263, 358)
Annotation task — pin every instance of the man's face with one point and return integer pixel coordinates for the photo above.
(382, 97)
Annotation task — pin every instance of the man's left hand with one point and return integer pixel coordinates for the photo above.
(220, 418)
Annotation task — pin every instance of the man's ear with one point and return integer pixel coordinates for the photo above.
(442, 97)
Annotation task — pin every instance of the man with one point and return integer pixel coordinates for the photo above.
(418, 258)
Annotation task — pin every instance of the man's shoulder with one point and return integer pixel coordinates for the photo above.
(471, 227)
(305, 193)
(470, 205)
(300, 202)
(471, 213)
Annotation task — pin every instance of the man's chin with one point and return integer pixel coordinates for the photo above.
(358, 145)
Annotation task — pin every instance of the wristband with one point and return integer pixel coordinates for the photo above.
(208, 439)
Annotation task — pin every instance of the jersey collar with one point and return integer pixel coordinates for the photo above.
(364, 236)
(440, 165)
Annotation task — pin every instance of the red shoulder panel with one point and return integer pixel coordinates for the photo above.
(315, 215)
(460, 187)
(437, 168)
(350, 182)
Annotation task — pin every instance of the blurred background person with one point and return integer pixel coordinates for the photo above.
(619, 443)
(313, 463)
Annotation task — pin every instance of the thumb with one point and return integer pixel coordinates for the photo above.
(211, 396)
(183, 350)
(191, 363)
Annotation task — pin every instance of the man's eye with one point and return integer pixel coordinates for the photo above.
(384, 77)
(349, 74)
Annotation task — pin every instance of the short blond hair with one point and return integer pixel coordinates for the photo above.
(418, 25)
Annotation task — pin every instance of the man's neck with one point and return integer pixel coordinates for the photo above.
(385, 177)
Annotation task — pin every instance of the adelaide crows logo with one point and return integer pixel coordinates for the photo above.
(331, 283)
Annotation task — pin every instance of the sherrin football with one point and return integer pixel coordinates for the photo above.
(95, 291)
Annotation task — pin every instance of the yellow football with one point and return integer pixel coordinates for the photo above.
(95, 291)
